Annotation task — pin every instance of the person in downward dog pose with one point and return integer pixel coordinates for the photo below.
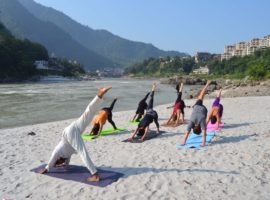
(99, 121)
(71, 141)
(150, 116)
(178, 108)
(216, 112)
(198, 117)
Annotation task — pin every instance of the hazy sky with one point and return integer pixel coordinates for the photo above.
(182, 25)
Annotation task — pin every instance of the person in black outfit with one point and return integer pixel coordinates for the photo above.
(150, 116)
(141, 107)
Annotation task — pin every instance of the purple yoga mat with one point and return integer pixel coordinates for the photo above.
(80, 174)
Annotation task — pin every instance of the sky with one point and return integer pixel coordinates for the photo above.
(183, 25)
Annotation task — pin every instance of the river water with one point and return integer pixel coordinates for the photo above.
(24, 104)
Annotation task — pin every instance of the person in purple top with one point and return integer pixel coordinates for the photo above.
(216, 112)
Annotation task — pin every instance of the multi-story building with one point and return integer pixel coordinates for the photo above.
(245, 48)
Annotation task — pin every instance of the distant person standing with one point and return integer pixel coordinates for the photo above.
(72, 142)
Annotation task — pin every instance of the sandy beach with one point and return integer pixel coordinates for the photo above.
(236, 165)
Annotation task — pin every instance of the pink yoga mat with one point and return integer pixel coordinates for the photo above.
(212, 127)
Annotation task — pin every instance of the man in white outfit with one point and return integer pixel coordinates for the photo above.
(71, 141)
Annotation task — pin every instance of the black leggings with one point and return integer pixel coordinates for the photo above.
(179, 96)
(146, 96)
(151, 101)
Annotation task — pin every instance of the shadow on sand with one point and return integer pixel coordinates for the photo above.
(233, 139)
(229, 126)
(130, 171)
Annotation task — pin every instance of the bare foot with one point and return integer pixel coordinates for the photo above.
(94, 178)
(154, 86)
(43, 171)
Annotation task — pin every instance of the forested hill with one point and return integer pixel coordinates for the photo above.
(68, 38)
(17, 57)
(22, 24)
(256, 66)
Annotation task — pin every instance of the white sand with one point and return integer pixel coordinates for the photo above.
(235, 166)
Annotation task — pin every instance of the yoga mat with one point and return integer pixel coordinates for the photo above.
(133, 122)
(149, 136)
(212, 127)
(80, 174)
(194, 141)
(105, 132)
(172, 124)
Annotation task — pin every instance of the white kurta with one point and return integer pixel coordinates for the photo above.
(71, 141)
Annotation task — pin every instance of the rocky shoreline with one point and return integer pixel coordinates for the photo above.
(231, 88)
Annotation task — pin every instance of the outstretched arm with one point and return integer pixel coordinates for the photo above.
(134, 117)
(103, 91)
(218, 121)
(100, 128)
(203, 138)
(169, 120)
(91, 110)
(145, 133)
(133, 135)
(219, 93)
(202, 93)
(185, 137)
(209, 116)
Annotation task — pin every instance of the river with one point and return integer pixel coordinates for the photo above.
(32, 103)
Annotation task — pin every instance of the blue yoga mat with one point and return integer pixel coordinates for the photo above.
(194, 141)
(80, 174)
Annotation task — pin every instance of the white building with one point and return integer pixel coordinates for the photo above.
(201, 70)
(41, 64)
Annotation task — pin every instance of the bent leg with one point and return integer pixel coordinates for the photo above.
(77, 143)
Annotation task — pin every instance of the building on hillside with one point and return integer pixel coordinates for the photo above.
(202, 57)
(245, 48)
(201, 70)
(110, 72)
(226, 56)
(54, 64)
(216, 56)
(41, 64)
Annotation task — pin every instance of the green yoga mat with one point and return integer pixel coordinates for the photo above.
(105, 132)
(133, 122)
